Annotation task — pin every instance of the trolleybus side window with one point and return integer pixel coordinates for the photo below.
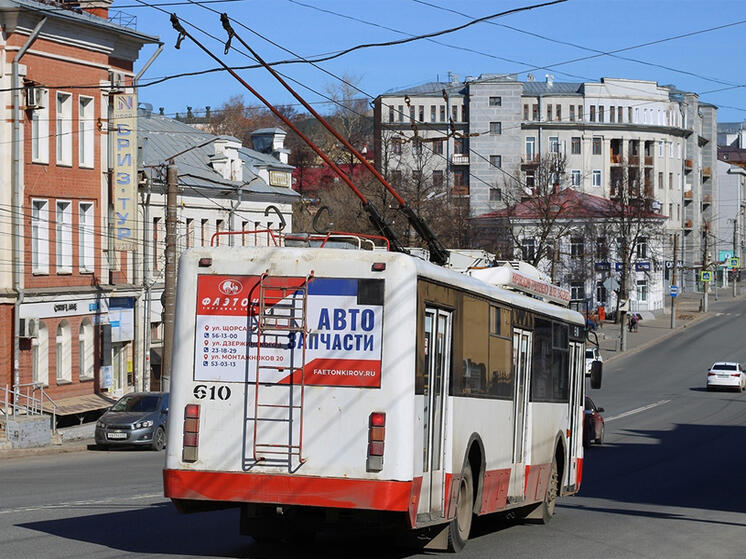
(549, 370)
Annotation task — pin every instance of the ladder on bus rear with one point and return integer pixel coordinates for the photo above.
(280, 322)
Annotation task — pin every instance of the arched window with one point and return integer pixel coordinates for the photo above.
(40, 355)
(64, 353)
(85, 341)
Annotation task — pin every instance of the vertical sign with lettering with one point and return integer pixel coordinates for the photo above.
(124, 135)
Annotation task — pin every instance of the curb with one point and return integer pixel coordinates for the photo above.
(65, 448)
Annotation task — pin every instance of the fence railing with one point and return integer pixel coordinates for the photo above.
(27, 399)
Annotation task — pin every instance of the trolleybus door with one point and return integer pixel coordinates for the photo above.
(521, 421)
(437, 359)
(575, 412)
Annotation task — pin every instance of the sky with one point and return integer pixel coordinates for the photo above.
(566, 40)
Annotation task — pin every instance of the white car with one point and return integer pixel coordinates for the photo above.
(591, 354)
(725, 374)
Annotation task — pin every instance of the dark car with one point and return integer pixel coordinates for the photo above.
(593, 424)
(136, 419)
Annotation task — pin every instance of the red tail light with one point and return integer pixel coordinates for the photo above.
(191, 433)
(376, 438)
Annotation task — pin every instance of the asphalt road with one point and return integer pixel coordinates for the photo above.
(669, 482)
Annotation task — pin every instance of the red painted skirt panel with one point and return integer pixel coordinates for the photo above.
(289, 490)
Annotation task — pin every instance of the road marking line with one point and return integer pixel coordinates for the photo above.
(74, 504)
(638, 410)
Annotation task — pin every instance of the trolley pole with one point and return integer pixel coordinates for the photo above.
(673, 278)
(169, 290)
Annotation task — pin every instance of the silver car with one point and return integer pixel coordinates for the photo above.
(136, 419)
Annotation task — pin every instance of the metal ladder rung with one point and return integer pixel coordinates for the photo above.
(283, 406)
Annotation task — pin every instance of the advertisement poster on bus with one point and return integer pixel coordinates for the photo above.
(343, 317)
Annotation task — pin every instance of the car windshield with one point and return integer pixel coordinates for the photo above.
(136, 403)
(723, 367)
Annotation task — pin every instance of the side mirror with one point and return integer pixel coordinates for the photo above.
(601, 410)
(164, 410)
(596, 368)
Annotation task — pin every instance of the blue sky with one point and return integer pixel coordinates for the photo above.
(702, 62)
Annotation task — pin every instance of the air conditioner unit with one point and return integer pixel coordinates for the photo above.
(29, 328)
(35, 97)
(117, 80)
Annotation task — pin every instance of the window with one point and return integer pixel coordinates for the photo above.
(401, 113)
(396, 177)
(530, 147)
(670, 181)
(559, 112)
(432, 113)
(670, 149)
(575, 145)
(437, 178)
(549, 112)
(454, 113)
(40, 355)
(203, 226)
(496, 128)
(550, 362)
(40, 131)
(592, 117)
(580, 112)
(64, 241)
(495, 194)
(421, 113)
(553, 144)
(642, 290)
(496, 160)
(530, 179)
(525, 112)
(411, 113)
(600, 113)
(572, 113)
(417, 147)
(601, 293)
(85, 344)
(190, 231)
(620, 112)
(528, 249)
(396, 147)
(40, 236)
(637, 115)
(442, 113)
(64, 353)
(417, 177)
(596, 145)
(86, 246)
(459, 146)
(678, 212)
(660, 148)
(660, 180)
(460, 179)
(596, 178)
(438, 147)
(642, 247)
(612, 114)
(577, 291)
(602, 250)
(391, 113)
(670, 211)
(85, 131)
(219, 227)
(64, 129)
(535, 112)
(156, 240)
(577, 246)
(678, 150)
(575, 177)
(496, 101)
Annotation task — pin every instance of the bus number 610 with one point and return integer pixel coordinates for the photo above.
(202, 391)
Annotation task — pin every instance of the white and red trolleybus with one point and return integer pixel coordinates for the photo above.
(322, 384)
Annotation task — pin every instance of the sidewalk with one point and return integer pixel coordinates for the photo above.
(653, 330)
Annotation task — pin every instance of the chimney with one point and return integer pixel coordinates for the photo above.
(99, 8)
(550, 80)
(207, 113)
(270, 141)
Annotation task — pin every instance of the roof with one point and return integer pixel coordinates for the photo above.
(731, 127)
(74, 14)
(570, 203)
(556, 88)
(430, 88)
(161, 138)
(269, 131)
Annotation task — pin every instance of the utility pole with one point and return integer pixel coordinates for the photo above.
(169, 290)
(674, 277)
(734, 271)
(705, 266)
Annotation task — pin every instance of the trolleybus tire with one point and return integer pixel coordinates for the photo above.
(458, 531)
(159, 439)
(545, 511)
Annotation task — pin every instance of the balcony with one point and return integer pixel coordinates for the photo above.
(688, 196)
(706, 201)
(707, 172)
(615, 159)
(459, 159)
(688, 165)
(634, 160)
(648, 161)
(688, 225)
(460, 190)
(530, 160)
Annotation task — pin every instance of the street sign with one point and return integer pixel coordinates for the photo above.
(642, 266)
(705, 276)
(619, 266)
(673, 290)
(611, 284)
(669, 264)
(602, 266)
(735, 262)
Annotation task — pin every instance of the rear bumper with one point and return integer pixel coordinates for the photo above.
(297, 490)
(731, 382)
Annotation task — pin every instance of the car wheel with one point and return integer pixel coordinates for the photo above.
(159, 439)
(600, 439)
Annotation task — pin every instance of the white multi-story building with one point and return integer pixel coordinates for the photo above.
(487, 131)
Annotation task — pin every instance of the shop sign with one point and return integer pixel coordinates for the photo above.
(124, 187)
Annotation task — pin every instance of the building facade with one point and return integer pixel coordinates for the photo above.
(491, 132)
(65, 290)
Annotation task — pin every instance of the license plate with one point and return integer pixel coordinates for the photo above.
(723, 376)
(116, 435)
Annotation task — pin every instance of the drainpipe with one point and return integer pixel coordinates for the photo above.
(145, 292)
(17, 204)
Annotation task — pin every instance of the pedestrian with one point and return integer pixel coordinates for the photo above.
(601, 315)
(630, 323)
(635, 320)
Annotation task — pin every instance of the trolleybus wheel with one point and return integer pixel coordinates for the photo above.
(545, 511)
(458, 531)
